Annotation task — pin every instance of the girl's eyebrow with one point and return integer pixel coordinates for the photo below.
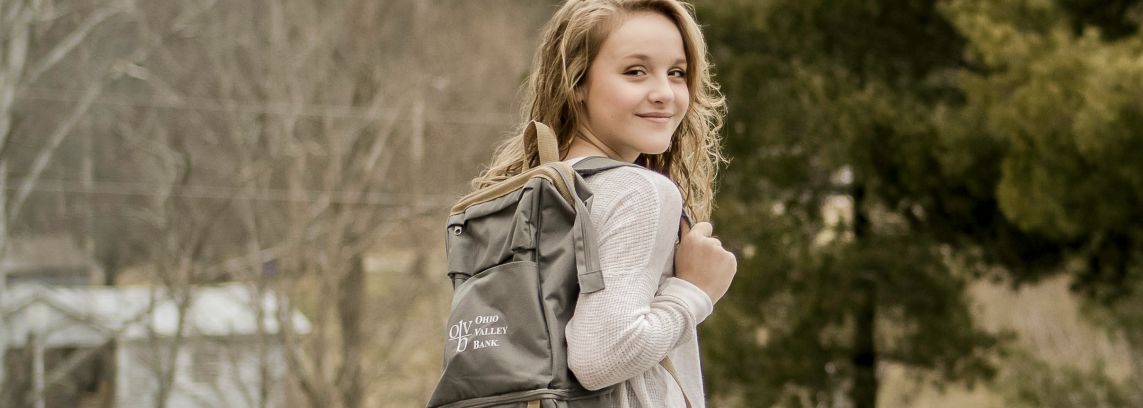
(644, 57)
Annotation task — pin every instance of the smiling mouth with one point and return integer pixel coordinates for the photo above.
(657, 118)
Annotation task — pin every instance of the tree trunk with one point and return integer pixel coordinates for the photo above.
(864, 393)
(864, 355)
(349, 306)
(37, 347)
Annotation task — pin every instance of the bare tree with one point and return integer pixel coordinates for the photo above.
(346, 140)
(336, 165)
(304, 140)
(19, 68)
(281, 143)
(40, 40)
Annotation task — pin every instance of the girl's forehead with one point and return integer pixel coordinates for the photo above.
(646, 35)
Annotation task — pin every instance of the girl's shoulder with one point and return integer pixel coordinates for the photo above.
(635, 184)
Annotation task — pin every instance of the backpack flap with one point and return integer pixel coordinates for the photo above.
(492, 233)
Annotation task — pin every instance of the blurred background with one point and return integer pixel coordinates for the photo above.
(241, 204)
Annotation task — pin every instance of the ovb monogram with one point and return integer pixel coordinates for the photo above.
(466, 333)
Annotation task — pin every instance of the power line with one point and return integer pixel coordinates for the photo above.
(493, 119)
(238, 193)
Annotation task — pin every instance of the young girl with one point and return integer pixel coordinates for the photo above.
(629, 79)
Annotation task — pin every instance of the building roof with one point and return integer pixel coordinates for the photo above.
(31, 253)
(91, 315)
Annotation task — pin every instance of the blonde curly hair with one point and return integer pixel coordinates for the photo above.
(572, 39)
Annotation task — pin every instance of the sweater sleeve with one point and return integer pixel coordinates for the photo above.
(629, 327)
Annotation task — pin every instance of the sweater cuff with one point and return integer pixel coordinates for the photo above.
(697, 301)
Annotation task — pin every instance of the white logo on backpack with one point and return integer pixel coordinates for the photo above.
(464, 333)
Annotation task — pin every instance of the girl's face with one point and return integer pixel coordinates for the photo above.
(636, 89)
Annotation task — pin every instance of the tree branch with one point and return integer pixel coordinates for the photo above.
(70, 42)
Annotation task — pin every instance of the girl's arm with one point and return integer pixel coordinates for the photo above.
(629, 327)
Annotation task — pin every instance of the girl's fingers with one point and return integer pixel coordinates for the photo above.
(703, 229)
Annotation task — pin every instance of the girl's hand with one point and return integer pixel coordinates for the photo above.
(701, 260)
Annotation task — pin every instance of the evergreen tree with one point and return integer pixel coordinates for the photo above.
(969, 133)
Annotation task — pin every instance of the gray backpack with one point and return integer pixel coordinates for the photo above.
(519, 254)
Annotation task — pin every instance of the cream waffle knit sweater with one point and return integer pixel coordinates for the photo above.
(620, 334)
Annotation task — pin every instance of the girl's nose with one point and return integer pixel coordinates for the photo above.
(661, 92)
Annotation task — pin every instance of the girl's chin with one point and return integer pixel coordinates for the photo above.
(657, 149)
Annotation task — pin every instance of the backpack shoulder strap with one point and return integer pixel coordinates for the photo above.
(595, 164)
(670, 366)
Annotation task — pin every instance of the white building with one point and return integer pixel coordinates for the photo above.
(92, 346)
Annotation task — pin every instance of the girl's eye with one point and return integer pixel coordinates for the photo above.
(678, 73)
(635, 72)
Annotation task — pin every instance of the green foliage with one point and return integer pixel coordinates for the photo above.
(815, 88)
(1069, 109)
(1001, 133)
(1115, 18)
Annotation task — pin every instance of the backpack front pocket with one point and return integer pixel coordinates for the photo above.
(497, 340)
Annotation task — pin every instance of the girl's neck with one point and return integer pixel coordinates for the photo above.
(585, 144)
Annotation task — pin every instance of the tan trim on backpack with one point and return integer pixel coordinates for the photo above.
(546, 143)
(534, 404)
(514, 183)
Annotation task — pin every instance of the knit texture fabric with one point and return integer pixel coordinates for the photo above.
(620, 334)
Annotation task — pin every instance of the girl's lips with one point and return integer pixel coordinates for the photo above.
(654, 117)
